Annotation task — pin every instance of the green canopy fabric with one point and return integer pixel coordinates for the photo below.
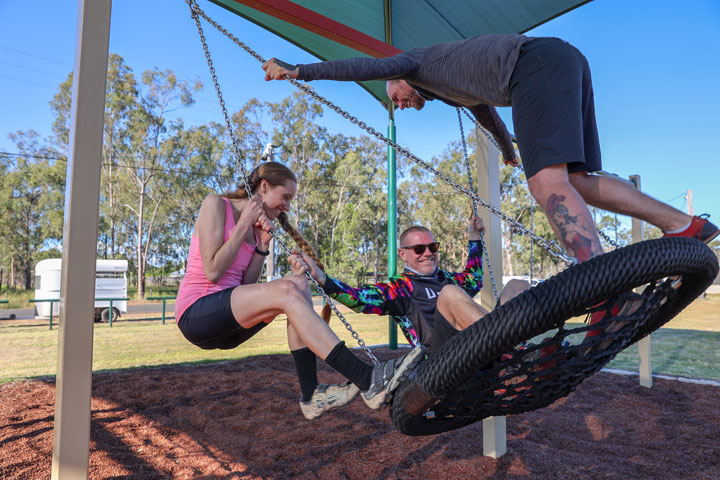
(335, 29)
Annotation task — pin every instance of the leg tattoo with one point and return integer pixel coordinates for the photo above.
(577, 233)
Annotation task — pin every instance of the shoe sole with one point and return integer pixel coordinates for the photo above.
(711, 237)
(408, 364)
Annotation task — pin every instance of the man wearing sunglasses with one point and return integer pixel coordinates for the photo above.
(429, 304)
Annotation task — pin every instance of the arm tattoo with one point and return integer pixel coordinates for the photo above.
(282, 64)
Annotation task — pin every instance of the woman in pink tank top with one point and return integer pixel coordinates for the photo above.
(220, 305)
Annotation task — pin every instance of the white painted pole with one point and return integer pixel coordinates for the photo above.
(71, 440)
(494, 436)
(645, 369)
(488, 180)
(269, 156)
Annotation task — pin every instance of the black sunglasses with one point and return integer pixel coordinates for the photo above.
(420, 249)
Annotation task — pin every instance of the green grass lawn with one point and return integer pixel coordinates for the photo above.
(689, 346)
(30, 351)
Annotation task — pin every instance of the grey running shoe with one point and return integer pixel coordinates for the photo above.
(387, 376)
(328, 397)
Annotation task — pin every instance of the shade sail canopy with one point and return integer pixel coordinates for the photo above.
(335, 29)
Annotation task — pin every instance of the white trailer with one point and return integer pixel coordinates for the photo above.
(110, 282)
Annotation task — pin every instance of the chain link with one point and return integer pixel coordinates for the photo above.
(532, 245)
(474, 207)
(481, 128)
(196, 12)
(608, 239)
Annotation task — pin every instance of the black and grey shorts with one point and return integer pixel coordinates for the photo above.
(209, 323)
(553, 108)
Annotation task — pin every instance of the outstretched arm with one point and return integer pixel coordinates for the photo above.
(360, 69)
(384, 298)
(381, 298)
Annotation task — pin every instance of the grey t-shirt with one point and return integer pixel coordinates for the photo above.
(474, 73)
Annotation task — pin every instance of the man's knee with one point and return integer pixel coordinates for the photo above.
(513, 288)
(547, 181)
(450, 294)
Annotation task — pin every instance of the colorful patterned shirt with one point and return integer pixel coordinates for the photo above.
(411, 298)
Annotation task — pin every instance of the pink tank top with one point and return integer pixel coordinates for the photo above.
(195, 284)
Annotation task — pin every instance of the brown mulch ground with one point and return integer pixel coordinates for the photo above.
(240, 420)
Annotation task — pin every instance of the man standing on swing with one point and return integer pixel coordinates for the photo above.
(547, 83)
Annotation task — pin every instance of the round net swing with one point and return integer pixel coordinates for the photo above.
(497, 366)
(480, 373)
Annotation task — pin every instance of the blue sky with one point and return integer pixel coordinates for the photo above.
(654, 64)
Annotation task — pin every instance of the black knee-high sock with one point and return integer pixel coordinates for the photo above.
(306, 370)
(354, 369)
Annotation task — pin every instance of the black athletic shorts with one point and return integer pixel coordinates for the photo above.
(209, 323)
(553, 108)
(442, 331)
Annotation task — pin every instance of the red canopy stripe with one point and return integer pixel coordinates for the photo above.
(314, 22)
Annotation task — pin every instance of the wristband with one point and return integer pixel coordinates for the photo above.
(260, 252)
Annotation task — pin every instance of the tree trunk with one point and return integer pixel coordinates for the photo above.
(28, 275)
(28, 268)
(140, 265)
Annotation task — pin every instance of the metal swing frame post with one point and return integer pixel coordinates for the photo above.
(71, 434)
(392, 222)
(488, 179)
(645, 368)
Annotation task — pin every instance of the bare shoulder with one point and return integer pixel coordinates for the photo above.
(212, 211)
(213, 204)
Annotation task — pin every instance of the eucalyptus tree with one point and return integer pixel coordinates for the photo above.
(150, 164)
(31, 201)
(357, 219)
(301, 146)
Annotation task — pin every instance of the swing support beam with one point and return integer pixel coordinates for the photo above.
(71, 434)
(487, 163)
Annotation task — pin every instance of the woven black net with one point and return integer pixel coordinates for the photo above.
(536, 349)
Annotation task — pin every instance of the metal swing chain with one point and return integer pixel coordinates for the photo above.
(553, 248)
(196, 12)
(532, 245)
(607, 238)
(481, 128)
(474, 207)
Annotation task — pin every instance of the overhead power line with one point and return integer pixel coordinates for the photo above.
(28, 82)
(36, 56)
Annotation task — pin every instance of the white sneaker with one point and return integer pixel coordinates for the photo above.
(328, 397)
